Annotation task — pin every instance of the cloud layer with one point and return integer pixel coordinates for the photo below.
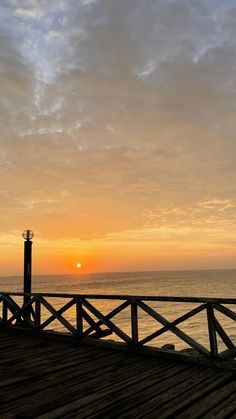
(118, 117)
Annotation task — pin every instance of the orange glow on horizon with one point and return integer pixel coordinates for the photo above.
(140, 250)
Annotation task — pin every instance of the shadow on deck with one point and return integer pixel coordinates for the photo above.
(53, 378)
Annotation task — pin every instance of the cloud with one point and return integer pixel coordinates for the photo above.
(127, 103)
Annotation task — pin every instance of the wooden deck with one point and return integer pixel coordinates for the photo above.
(52, 378)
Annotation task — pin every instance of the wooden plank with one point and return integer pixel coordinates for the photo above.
(49, 386)
(226, 406)
(212, 404)
(35, 350)
(60, 391)
(11, 381)
(173, 400)
(176, 402)
(42, 346)
(105, 400)
(145, 400)
(45, 366)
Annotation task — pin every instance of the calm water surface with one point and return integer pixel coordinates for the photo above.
(207, 283)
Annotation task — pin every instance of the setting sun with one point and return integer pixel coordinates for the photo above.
(78, 265)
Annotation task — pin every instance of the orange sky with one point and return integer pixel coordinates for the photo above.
(117, 135)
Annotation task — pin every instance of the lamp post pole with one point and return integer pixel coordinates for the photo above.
(27, 235)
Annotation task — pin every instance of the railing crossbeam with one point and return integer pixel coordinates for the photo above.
(20, 313)
(57, 315)
(93, 325)
(225, 310)
(179, 320)
(183, 336)
(115, 329)
(109, 316)
(223, 335)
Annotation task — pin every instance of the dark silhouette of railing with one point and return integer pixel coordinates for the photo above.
(28, 315)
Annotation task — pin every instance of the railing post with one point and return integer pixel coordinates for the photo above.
(134, 322)
(27, 311)
(212, 330)
(4, 311)
(79, 317)
(37, 313)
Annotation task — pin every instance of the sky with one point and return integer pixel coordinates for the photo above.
(117, 134)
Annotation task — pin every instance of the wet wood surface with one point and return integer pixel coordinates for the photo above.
(54, 378)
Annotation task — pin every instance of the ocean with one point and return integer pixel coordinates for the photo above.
(201, 283)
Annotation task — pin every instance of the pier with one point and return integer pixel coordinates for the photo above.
(96, 369)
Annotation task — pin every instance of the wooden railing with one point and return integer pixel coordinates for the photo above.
(24, 311)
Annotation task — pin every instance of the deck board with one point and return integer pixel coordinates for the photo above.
(212, 406)
(52, 378)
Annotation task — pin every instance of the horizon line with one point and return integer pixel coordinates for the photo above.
(122, 272)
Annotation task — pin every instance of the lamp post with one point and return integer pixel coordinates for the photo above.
(27, 235)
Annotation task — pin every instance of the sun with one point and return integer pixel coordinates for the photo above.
(78, 265)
